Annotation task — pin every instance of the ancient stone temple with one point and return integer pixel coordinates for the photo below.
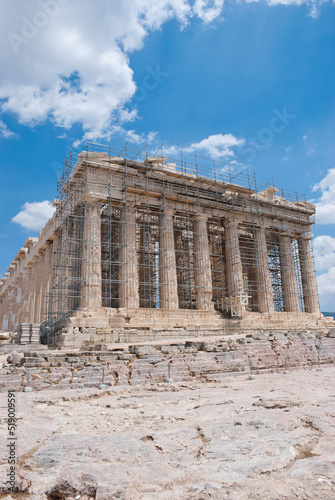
(143, 249)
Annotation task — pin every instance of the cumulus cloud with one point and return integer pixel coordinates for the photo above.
(325, 205)
(4, 131)
(326, 287)
(208, 10)
(324, 252)
(214, 146)
(34, 216)
(68, 60)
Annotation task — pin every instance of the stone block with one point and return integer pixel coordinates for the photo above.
(170, 349)
(142, 350)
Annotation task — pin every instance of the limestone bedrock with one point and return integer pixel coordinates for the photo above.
(268, 438)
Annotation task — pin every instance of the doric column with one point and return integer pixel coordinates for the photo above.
(168, 294)
(20, 297)
(24, 316)
(202, 265)
(308, 279)
(234, 273)
(31, 275)
(10, 307)
(39, 277)
(218, 273)
(47, 265)
(91, 270)
(265, 294)
(54, 306)
(289, 281)
(128, 271)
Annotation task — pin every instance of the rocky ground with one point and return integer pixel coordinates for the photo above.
(272, 437)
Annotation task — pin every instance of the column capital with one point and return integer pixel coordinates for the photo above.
(231, 221)
(130, 206)
(286, 234)
(307, 235)
(91, 200)
(168, 211)
(202, 217)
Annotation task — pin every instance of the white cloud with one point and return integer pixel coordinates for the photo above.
(208, 10)
(34, 216)
(4, 131)
(285, 2)
(68, 60)
(134, 138)
(71, 66)
(313, 12)
(325, 205)
(324, 246)
(217, 146)
(324, 252)
(214, 146)
(326, 288)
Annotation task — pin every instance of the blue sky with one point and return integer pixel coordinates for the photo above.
(252, 82)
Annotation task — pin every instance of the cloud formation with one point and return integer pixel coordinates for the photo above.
(218, 146)
(324, 252)
(35, 215)
(326, 287)
(325, 205)
(4, 131)
(68, 60)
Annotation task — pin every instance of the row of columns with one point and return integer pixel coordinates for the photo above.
(26, 300)
(38, 284)
(129, 282)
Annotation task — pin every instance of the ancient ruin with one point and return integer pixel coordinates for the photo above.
(142, 249)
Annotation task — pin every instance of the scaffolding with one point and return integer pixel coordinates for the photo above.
(119, 196)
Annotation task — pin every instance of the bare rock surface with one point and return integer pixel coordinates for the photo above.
(270, 438)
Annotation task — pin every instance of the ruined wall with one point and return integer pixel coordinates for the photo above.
(207, 361)
(24, 289)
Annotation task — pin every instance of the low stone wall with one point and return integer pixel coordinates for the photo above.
(151, 326)
(209, 361)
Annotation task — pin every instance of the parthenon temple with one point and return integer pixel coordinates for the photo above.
(140, 249)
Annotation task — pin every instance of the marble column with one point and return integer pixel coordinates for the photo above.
(308, 279)
(47, 281)
(234, 272)
(20, 308)
(39, 279)
(128, 272)
(31, 292)
(54, 303)
(202, 265)
(91, 270)
(168, 294)
(10, 292)
(289, 281)
(218, 273)
(265, 294)
(24, 317)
